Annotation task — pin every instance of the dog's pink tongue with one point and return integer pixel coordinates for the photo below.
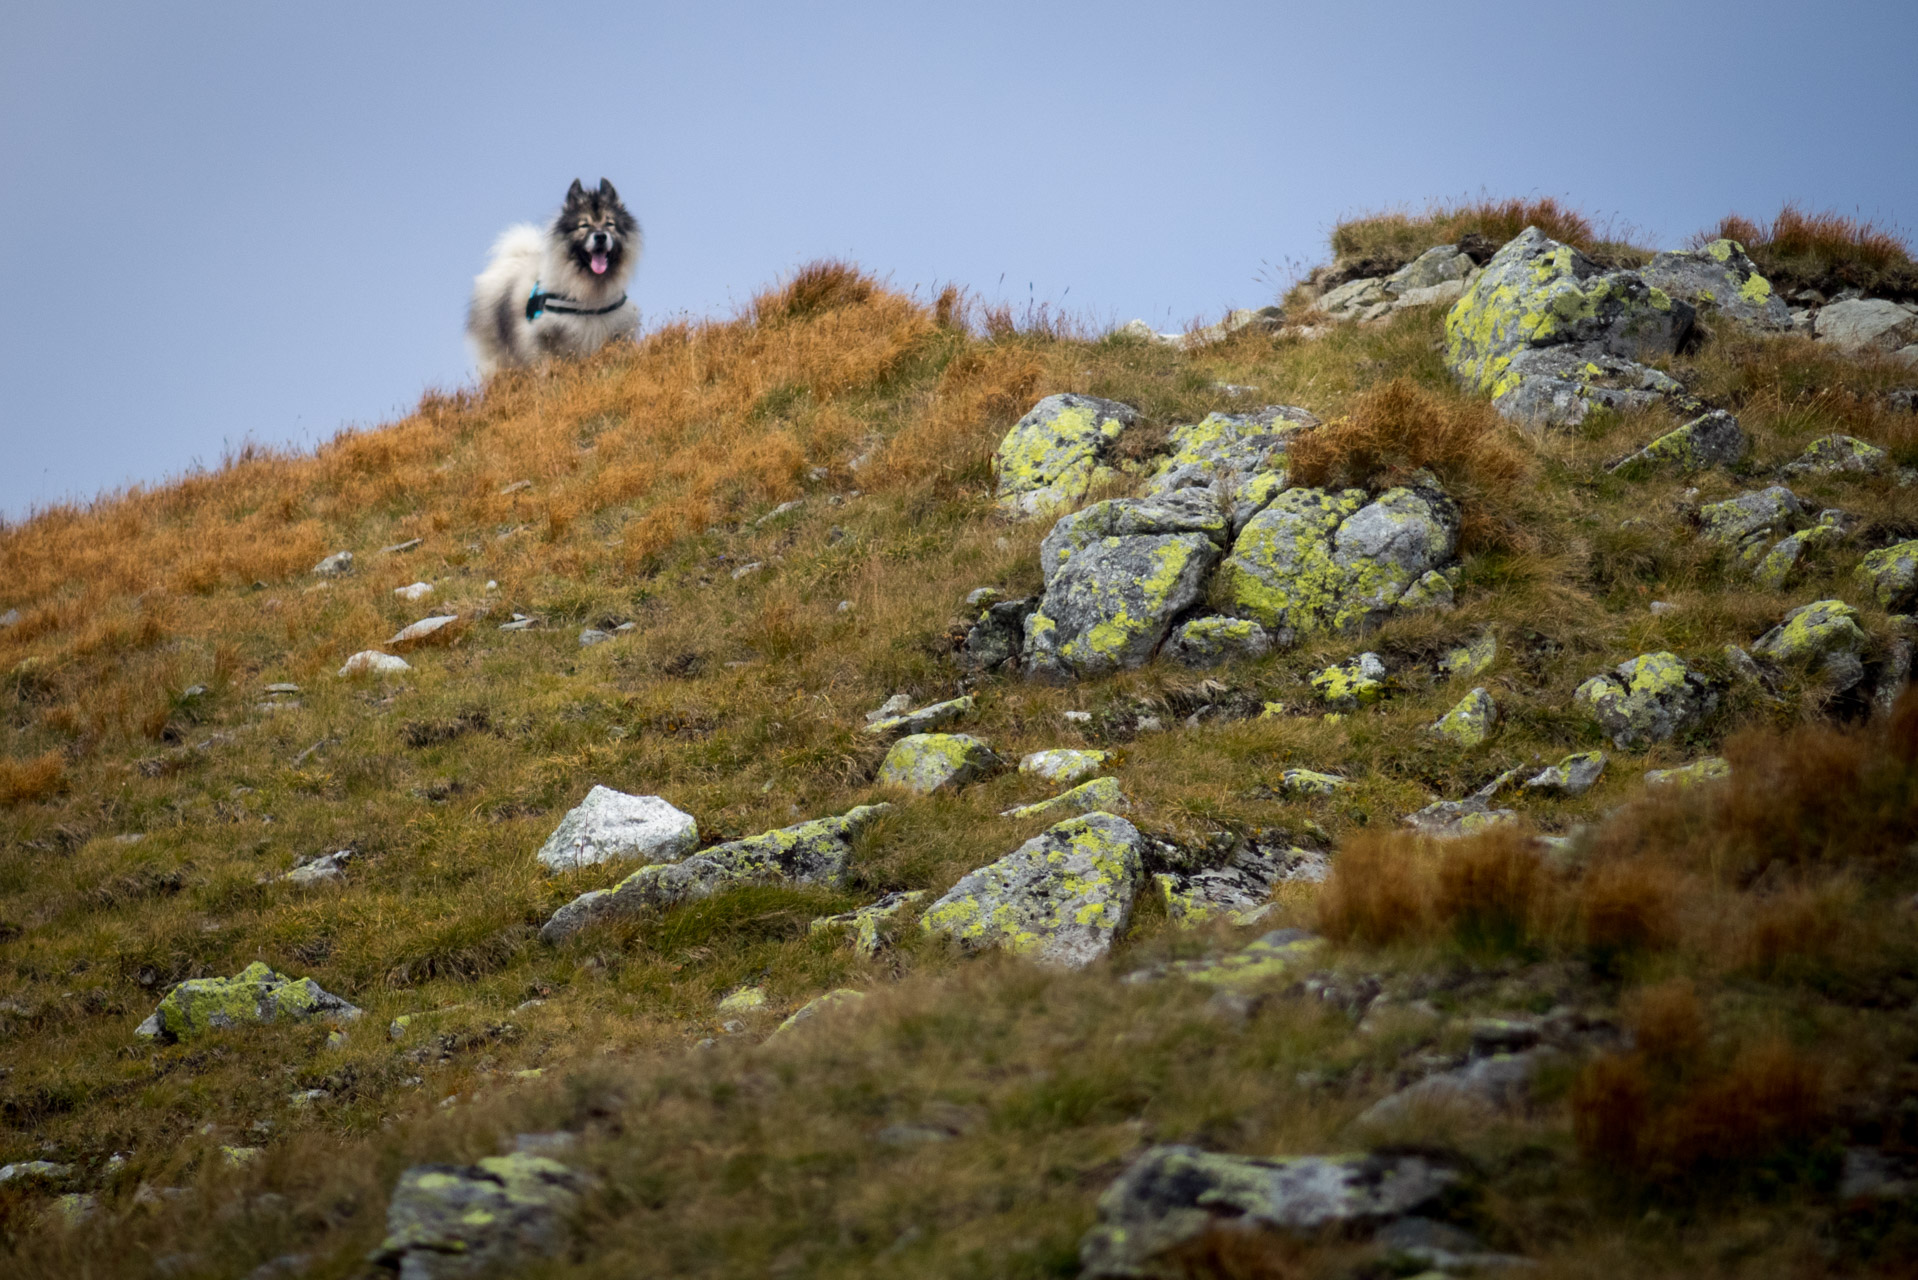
(599, 264)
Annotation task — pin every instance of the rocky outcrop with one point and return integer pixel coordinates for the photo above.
(1862, 325)
(1720, 278)
(455, 1221)
(1061, 898)
(1437, 277)
(928, 762)
(1057, 452)
(1537, 294)
(1651, 698)
(610, 825)
(813, 852)
(1173, 1195)
(256, 994)
(1112, 602)
(1238, 460)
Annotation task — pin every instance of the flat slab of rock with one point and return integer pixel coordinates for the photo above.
(1173, 1195)
(1651, 698)
(612, 826)
(371, 662)
(1688, 775)
(255, 994)
(1572, 776)
(925, 720)
(1087, 797)
(456, 1221)
(1057, 452)
(1713, 439)
(815, 852)
(928, 762)
(1060, 898)
(1867, 324)
(1064, 764)
(422, 630)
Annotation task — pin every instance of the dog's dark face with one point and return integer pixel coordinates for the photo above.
(596, 228)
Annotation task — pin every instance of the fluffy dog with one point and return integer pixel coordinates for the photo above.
(557, 292)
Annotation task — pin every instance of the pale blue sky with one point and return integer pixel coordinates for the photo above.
(224, 222)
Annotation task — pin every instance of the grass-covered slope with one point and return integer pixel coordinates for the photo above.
(1754, 939)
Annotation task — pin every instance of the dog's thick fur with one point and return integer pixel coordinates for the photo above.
(581, 262)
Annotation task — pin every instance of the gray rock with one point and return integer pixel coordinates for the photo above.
(928, 762)
(611, 825)
(337, 565)
(1211, 642)
(1237, 891)
(1572, 776)
(1866, 324)
(1173, 1195)
(1441, 264)
(1872, 1174)
(1060, 898)
(1839, 455)
(1306, 782)
(1686, 775)
(815, 852)
(1471, 722)
(590, 636)
(1558, 387)
(1065, 764)
(1824, 634)
(1752, 521)
(1112, 602)
(1651, 698)
(1713, 439)
(1355, 683)
(999, 634)
(838, 998)
(1450, 819)
(25, 1171)
(327, 869)
(1057, 452)
(1890, 574)
(1238, 460)
(925, 720)
(1314, 559)
(424, 628)
(1180, 511)
(456, 1221)
(1719, 277)
(1471, 659)
(255, 994)
(374, 663)
(981, 597)
(871, 925)
(1495, 1083)
(1087, 797)
(1894, 675)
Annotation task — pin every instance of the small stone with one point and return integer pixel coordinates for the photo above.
(337, 565)
(399, 547)
(745, 569)
(1471, 659)
(980, 597)
(519, 624)
(417, 591)
(1659, 608)
(1712, 440)
(1825, 633)
(424, 628)
(1076, 717)
(492, 585)
(1305, 782)
(1210, 642)
(744, 1000)
(1500, 1082)
(1350, 685)
(1064, 764)
(927, 762)
(1100, 793)
(611, 825)
(1890, 574)
(923, 721)
(24, 1171)
(1839, 455)
(1649, 699)
(1470, 723)
(1572, 776)
(255, 994)
(1697, 771)
(282, 688)
(327, 869)
(492, 1217)
(841, 998)
(1450, 819)
(783, 509)
(898, 704)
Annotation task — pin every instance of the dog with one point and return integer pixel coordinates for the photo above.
(560, 292)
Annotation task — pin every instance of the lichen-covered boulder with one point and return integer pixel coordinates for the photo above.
(255, 994)
(1470, 723)
(1450, 819)
(1064, 764)
(1211, 642)
(1560, 386)
(1867, 324)
(1825, 634)
(1650, 699)
(1751, 522)
(838, 998)
(1720, 278)
(610, 825)
(1707, 769)
(924, 720)
(1470, 659)
(1890, 574)
(1059, 898)
(813, 852)
(1172, 1196)
(928, 762)
(871, 926)
(1357, 682)
(1314, 559)
(1111, 604)
(1087, 797)
(1309, 782)
(1536, 292)
(1777, 565)
(1181, 511)
(1239, 890)
(1713, 439)
(1572, 776)
(1838, 455)
(1238, 459)
(999, 633)
(1057, 452)
(447, 1221)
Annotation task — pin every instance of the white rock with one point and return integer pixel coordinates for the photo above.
(1064, 765)
(610, 825)
(335, 565)
(417, 591)
(1866, 324)
(423, 628)
(373, 662)
(329, 869)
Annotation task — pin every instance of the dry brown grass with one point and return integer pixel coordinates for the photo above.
(1823, 250)
(1398, 236)
(22, 781)
(1400, 427)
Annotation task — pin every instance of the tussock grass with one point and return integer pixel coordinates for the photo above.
(1826, 250)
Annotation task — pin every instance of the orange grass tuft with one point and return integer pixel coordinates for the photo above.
(22, 781)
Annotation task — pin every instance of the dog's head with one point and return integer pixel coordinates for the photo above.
(597, 229)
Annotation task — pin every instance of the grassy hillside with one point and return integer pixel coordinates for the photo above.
(1754, 939)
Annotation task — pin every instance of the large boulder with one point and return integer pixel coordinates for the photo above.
(1057, 452)
(1174, 1195)
(610, 825)
(1110, 605)
(1650, 699)
(1536, 292)
(454, 1221)
(1059, 898)
(1315, 559)
(255, 994)
(1867, 324)
(1824, 634)
(815, 852)
(1239, 458)
(1891, 575)
(928, 762)
(1720, 278)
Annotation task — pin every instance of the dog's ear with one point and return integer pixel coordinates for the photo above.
(575, 193)
(606, 191)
